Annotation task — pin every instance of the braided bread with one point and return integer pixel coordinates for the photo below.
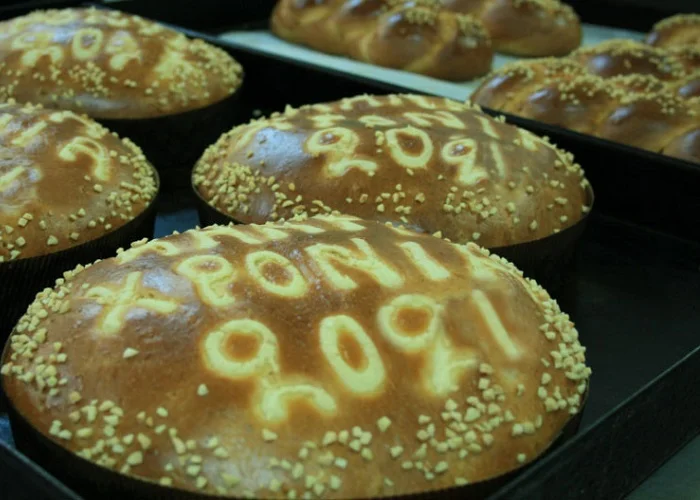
(525, 27)
(417, 36)
(675, 31)
(626, 57)
(620, 90)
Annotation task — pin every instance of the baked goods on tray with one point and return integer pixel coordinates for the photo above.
(629, 92)
(675, 31)
(69, 190)
(332, 357)
(109, 64)
(525, 27)
(418, 36)
(447, 39)
(64, 180)
(170, 94)
(432, 164)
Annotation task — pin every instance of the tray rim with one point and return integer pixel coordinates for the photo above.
(547, 467)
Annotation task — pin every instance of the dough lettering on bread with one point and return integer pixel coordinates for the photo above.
(428, 163)
(331, 356)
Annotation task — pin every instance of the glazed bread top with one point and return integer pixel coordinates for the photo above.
(623, 69)
(108, 64)
(64, 180)
(675, 31)
(429, 163)
(413, 35)
(625, 57)
(525, 27)
(332, 357)
(625, 91)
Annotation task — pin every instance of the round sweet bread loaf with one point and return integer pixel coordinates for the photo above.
(429, 163)
(65, 180)
(108, 64)
(331, 357)
(675, 31)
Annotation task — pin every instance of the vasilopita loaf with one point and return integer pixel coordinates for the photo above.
(675, 31)
(624, 91)
(628, 63)
(417, 36)
(432, 164)
(65, 180)
(108, 64)
(525, 27)
(329, 358)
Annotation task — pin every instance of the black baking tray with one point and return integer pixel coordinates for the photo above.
(633, 296)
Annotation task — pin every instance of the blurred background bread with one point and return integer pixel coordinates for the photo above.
(525, 27)
(333, 358)
(428, 163)
(621, 90)
(674, 31)
(417, 36)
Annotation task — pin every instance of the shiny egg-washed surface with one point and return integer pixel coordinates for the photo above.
(331, 357)
(417, 35)
(432, 164)
(625, 91)
(525, 27)
(676, 31)
(65, 180)
(108, 64)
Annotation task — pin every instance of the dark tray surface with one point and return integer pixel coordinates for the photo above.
(675, 479)
(636, 307)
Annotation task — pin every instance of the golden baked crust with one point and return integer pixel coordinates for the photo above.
(625, 57)
(64, 180)
(525, 27)
(429, 163)
(675, 31)
(620, 90)
(655, 123)
(334, 356)
(108, 64)
(412, 35)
